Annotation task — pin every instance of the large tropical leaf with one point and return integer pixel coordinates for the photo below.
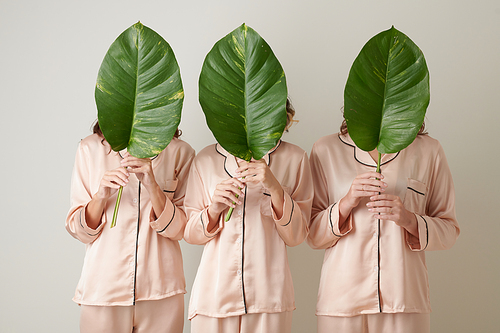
(139, 93)
(387, 93)
(243, 94)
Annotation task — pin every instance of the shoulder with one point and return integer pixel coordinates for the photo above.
(332, 142)
(426, 144)
(207, 154)
(285, 147)
(94, 143)
(179, 146)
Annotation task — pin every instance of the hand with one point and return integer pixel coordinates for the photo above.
(390, 207)
(225, 196)
(111, 182)
(141, 167)
(259, 172)
(364, 185)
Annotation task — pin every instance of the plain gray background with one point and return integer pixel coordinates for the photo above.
(49, 57)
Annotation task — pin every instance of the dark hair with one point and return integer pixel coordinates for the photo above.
(290, 113)
(96, 129)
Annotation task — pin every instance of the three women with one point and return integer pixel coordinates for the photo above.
(375, 228)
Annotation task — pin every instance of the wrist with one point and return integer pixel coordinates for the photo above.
(348, 203)
(213, 214)
(99, 198)
(151, 186)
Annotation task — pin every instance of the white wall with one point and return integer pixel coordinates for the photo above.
(50, 53)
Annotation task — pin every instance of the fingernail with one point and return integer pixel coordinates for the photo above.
(370, 209)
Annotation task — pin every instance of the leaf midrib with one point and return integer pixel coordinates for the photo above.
(385, 87)
(136, 87)
(245, 90)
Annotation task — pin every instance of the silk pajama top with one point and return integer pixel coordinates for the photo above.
(374, 266)
(244, 266)
(140, 258)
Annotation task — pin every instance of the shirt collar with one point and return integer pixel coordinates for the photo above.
(230, 162)
(363, 157)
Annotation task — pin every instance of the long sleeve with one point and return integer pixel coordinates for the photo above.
(293, 225)
(324, 229)
(196, 203)
(437, 226)
(172, 220)
(76, 224)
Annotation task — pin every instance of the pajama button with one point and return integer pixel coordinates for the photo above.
(135, 200)
(238, 272)
(375, 268)
(239, 212)
(238, 240)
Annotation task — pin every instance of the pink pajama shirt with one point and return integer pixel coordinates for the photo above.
(244, 268)
(139, 259)
(376, 266)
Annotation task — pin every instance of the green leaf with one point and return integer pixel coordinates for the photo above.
(139, 93)
(243, 94)
(387, 93)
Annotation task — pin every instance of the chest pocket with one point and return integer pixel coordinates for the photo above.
(265, 201)
(169, 187)
(415, 197)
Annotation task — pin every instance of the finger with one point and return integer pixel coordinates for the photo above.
(121, 170)
(113, 181)
(110, 184)
(134, 163)
(141, 169)
(260, 164)
(370, 188)
(234, 182)
(381, 203)
(116, 176)
(382, 210)
(226, 198)
(230, 188)
(379, 197)
(249, 174)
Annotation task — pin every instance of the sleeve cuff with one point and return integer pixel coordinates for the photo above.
(288, 209)
(420, 243)
(204, 223)
(83, 223)
(334, 216)
(165, 219)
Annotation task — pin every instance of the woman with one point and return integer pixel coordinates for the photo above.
(243, 282)
(132, 276)
(375, 228)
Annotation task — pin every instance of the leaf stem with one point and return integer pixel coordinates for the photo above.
(230, 212)
(378, 163)
(115, 213)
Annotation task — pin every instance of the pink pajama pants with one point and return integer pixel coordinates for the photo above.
(376, 323)
(159, 316)
(249, 323)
